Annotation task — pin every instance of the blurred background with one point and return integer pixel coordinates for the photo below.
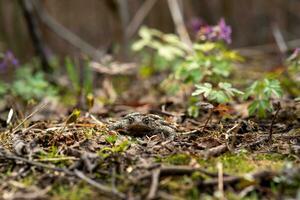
(103, 23)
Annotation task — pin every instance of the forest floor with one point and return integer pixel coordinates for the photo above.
(236, 157)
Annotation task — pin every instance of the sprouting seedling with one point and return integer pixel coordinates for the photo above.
(263, 91)
(90, 100)
(72, 118)
(223, 94)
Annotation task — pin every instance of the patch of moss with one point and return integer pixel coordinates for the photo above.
(177, 159)
(245, 162)
(67, 192)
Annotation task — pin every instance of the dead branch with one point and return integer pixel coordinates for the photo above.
(215, 151)
(10, 156)
(102, 188)
(154, 184)
(139, 17)
(66, 34)
(35, 33)
(179, 22)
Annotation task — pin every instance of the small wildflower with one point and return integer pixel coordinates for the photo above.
(8, 60)
(216, 33)
(224, 31)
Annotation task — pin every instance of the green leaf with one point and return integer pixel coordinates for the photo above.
(204, 89)
(218, 96)
(138, 45)
(229, 90)
(111, 139)
(272, 87)
(73, 74)
(253, 107)
(145, 33)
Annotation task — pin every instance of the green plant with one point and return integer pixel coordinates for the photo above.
(115, 149)
(208, 61)
(222, 94)
(28, 85)
(262, 92)
(74, 76)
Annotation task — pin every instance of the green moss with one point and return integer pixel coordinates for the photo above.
(236, 163)
(67, 192)
(177, 159)
(245, 162)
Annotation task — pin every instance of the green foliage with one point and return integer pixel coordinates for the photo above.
(28, 85)
(75, 192)
(208, 61)
(111, 139)
(167, 46)
(74, 76)
(177, 159)
(263, 91)
(223, 94)
(72, 73)
(115, 149)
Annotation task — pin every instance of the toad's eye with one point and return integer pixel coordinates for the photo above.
(130, 120)
(146, 120)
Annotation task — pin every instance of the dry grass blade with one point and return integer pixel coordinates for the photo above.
(29, 116)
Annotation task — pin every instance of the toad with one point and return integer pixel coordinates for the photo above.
(138, 124)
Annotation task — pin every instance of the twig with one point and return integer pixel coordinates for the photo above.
(208, 118)
(278, 107)
(220, 180)
(102, 188)
(66, 34)
(154, 184)
(29, 116)
(227, 135)
(216, 150)
(252, 145)
(176, 171)
(234, 179)
(179, 22)
(279, 39)
(139, 17)
(35, 163)
(34, 32)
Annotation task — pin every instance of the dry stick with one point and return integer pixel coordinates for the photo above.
(77, 173)
(279, 39)
(35, 33)
(231, 145)
(66, 34)
(139, 17)
(29, 116)
(103, 188)
(208, 118)
(278, 106)
(35, 163)
(179, 22)
(215, 151)
(176, 171)
(154, 184)
(220, 180)
(235, 179)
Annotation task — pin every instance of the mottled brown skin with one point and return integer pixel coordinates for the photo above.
(138, 124)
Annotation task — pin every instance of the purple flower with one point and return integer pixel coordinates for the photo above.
(8, 60)
(224, 31)
(206, 33)
(215, 33)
